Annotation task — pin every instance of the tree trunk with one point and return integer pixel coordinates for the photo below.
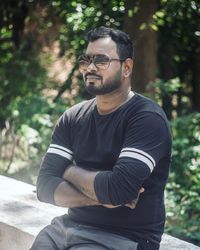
(195, 69)
(138, 19)
(20, 13)
(166, 72)
(67, 83)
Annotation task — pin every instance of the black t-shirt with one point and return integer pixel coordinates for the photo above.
(132, 149)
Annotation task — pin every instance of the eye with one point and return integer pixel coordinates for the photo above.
(101, 60)
(83, 60)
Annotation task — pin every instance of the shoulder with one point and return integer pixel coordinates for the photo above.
(79, 110)
(141, 105)
(73, 115)
(147, 115)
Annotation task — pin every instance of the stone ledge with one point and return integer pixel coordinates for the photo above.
(22, 216)
(12, 238)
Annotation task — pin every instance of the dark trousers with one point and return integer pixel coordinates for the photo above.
(64, 234)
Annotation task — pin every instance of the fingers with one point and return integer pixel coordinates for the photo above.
(133, 204)
(110, 206)
(141, 190)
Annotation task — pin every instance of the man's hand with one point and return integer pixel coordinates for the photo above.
(110, 206)
(131, 205)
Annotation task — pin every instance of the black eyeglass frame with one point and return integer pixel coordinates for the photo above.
(91, 60)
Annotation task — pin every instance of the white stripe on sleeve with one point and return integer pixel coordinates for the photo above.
(60, 150)
(139, 155)
(61, 147)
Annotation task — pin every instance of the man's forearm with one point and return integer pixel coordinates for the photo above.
(82, 179)
(66, 195)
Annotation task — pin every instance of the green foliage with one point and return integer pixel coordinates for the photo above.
(79, 17)
(36, 121)
(183, 190)
(31, 117)
(20, 74)
(181, 18)
(167, 87)
(27, 135)
(172, 91)
(162, 88)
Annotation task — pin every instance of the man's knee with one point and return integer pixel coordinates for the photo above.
(44, 241)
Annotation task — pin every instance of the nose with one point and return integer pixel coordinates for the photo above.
(92, 68)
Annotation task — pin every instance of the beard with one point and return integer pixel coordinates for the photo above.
(104, 88)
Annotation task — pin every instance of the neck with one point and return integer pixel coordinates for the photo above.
(112, 101)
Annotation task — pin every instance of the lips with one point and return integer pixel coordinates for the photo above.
(92, 77)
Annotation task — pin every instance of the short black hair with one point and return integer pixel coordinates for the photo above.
(122, 40)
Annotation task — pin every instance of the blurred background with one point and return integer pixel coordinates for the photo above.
(39, 79)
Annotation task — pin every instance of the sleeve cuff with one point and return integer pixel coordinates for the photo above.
(46, 192)
(101, 187)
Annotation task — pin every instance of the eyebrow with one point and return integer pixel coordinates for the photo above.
(96, 54)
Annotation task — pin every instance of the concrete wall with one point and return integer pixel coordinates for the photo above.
(22, 217)
(12, 238)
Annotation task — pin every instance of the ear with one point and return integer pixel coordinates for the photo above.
(127, 67)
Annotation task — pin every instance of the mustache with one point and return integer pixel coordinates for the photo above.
(94, 75)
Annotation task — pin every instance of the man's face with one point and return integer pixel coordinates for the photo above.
(103, 81)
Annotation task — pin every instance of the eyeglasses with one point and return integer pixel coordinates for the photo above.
(100, 61)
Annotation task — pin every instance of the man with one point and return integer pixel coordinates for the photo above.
(104, 153)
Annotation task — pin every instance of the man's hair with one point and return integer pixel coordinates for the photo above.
(122, 40)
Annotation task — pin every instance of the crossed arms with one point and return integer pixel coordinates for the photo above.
(78, 189)
(72, 186)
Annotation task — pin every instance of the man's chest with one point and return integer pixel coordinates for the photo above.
(97, 143)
